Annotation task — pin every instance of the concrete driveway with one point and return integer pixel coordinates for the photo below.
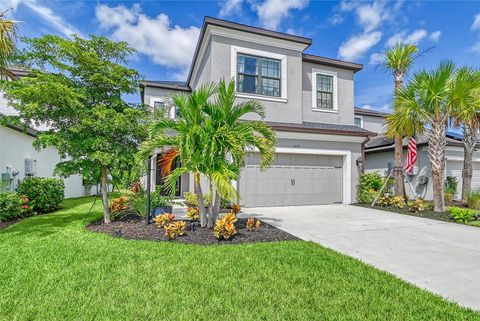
(441, 257)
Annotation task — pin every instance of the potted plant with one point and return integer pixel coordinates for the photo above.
(161, 204)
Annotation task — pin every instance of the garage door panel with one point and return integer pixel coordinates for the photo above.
(283, 185)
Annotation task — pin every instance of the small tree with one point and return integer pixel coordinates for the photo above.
(80, 101)
(8, 38)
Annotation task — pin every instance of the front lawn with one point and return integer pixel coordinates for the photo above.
(52, 268)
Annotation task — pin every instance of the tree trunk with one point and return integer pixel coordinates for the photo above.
(104, 188)
(398, 170)
(469, 138)
(211, 221)
(201, 206)
(436, 153)
(216, 207)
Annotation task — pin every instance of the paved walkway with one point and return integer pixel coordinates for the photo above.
(438, 256)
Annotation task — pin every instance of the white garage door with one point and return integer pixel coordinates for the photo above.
(454, 168)
(293, 180)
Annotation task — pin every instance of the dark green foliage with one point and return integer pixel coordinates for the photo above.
(451, 185)
(10, 206)
(44, 194)
(157, 199)
(368, 186)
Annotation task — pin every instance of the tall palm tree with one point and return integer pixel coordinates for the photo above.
(184, 138)
(8, 39)
(465, 95)
(398, 60)
(427, 101)
(231, 137)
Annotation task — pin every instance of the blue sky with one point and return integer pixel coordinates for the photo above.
(165, 32)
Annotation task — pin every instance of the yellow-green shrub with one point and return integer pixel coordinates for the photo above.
(418, 205)
(193, 213)
(473, 200)
(164, 219)
(225, 227)
(397, 202)
(236, 208)
(253, 224)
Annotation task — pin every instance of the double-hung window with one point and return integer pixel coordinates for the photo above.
(258, 75)
(324, 91)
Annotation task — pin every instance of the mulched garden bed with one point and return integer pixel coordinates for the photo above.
(439, 216)
(134, 227)
(4, 225)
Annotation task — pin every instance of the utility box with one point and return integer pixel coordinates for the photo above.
(30, 166)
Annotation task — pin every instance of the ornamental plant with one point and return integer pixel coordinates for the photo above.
(462, 215)
(193, 213)
(164, 219)
(418, 205)
(119, 204)
(236, 208)
(44, 194)
(225, 227)
(368, 186)
(12, 205)
(253, 224)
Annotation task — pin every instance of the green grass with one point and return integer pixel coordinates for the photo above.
(52, 268)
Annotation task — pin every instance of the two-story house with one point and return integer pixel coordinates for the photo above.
(309, 102)
(379, 156)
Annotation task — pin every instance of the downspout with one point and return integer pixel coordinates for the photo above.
(362, 169)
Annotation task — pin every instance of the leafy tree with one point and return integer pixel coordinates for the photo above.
(398, 60)
(80, 100)
(8, 38)
(465, 96)
(428, 101)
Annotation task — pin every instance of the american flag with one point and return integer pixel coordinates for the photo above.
(411, 154)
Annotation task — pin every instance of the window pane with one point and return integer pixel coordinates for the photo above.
(324, 100)
(271, 87)
(247, 84)
(247, 64)
(325, 83)
(270, 68)
(158, 105)
(358, 121)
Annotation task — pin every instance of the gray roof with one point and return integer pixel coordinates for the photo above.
(175, 85)
(332, 62)
(370, 112)
(323, 128)
(382, 143)
(26, 130)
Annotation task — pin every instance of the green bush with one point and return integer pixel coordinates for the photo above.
(12, 206)
(473, 200)
(45, 194)
(462, 215)
(157, 199)
(191, 199)
(368, 186)
(451, 184)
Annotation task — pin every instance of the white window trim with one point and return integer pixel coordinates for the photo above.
(171, 112)
(235, 50)
(316, 72)
(361, 120)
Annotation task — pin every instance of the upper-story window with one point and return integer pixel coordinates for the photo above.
(324, 90)
(358, 121)
(258, 75)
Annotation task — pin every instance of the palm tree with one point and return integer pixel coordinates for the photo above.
(427, 101)
(231, 137)
(184, 138)
(8, 38)
(398, 60)
(465, 95)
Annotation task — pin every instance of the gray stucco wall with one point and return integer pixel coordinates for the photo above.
(373, 124)
(344, 114)
(204, 74)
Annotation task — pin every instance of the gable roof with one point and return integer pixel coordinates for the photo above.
(322, 128)
(175, 85)
(332, 62)
(369, 112)
(25, 130)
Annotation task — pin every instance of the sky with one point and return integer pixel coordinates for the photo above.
(165, 33)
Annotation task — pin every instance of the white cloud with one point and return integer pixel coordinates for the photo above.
(435, 36)
(166, 44)
(402, 37)
(370, 16)
(47, 15)
(476, 22)
(476, 47)
(336, 19)
(377, 58)
(272, 12)
(366, 107)
(357, 46)
(230, 7)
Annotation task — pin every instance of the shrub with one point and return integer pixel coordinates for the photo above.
(225, 227)
(12, 206)
(164, 219)
(253, 224)
(462, 215)
(119, 204)
(384, 201)
(193, 213)
(451, 184)
(191, 199)
(398, 202)
(368, 186)
(473, 200)
(45, 194)
(418, 205)
(159, 200)
(448, 197)
(224, 203)
(179, 227)
(236, 209)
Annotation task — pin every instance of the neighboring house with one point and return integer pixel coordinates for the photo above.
(19, 159)
(309, 103)
(379, 156)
